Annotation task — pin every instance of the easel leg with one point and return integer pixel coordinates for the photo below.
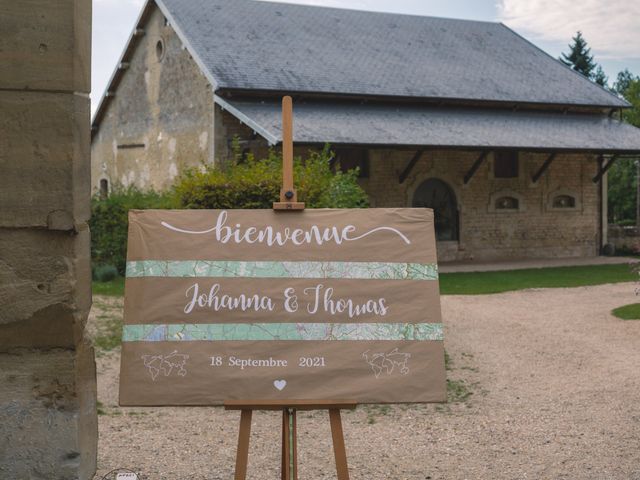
(294, 446)
(284, 469)
(338, 444)
(289, 466)
(242, 455)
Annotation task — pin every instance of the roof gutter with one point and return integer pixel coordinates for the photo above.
(227, 92)
(481, 148)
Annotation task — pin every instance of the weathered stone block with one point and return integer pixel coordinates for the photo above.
(46, 45)
(48, 415)
(44, 160)
(45, 287)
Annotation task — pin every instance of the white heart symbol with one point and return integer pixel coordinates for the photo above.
(280, 384)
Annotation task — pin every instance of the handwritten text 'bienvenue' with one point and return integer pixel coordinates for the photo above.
(296, 236)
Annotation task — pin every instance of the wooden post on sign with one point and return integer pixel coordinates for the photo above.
(289, 469)
(289, 430)
(288, 195)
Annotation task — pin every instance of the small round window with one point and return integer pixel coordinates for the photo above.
(507, 203)
(564, 201)
(159, 50)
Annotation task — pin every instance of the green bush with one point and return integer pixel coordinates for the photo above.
(249, 184)
(105, 273)
(109, 222)
(256, 184)
(627, 223)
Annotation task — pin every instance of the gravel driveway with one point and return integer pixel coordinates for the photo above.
(555, 394)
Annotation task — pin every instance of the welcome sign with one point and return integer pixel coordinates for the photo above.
(258, 304)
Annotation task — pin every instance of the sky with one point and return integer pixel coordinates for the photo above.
(611, 27)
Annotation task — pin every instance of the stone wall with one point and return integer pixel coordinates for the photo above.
(47, 370)
(161, 118)
(537, 229)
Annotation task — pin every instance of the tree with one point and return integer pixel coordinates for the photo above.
(622, 192)
(632, 95)
(600, 78)
(579, 57)
(623, 175)
(623, 80)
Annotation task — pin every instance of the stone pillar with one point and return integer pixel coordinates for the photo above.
(48, 422)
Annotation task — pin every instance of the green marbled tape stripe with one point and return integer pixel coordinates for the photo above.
(282, 331)
(233, 269)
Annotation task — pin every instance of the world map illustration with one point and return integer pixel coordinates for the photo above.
(391, 362)
(166, 364)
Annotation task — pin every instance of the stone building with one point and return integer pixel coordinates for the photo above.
(509, 146)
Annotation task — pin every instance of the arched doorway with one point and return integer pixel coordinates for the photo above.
(436, 194)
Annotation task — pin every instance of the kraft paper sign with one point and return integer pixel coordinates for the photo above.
(258, 305)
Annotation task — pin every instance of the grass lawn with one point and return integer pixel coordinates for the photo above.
(111, 288)
(628, 312)
(477, 283)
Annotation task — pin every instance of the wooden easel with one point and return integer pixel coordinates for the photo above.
(289, 469)
(289, 201)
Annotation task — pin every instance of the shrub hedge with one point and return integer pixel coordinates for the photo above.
(250, 183)
(109, 223)
(256, 184)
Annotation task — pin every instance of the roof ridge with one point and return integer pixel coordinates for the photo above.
(374, 12)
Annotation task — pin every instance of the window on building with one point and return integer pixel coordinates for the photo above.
(104, 189)
(350, 158)
(126, 146)
(507, 203)
(160, 50)
(564, 201)
(505, 164)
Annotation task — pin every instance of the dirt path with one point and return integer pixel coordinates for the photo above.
(555, 384)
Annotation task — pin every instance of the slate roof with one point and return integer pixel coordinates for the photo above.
(257, 45)
(405, 125)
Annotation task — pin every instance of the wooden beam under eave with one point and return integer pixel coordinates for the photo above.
(544, 167)
(604, 169)
(412, 163)
(474, 168)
